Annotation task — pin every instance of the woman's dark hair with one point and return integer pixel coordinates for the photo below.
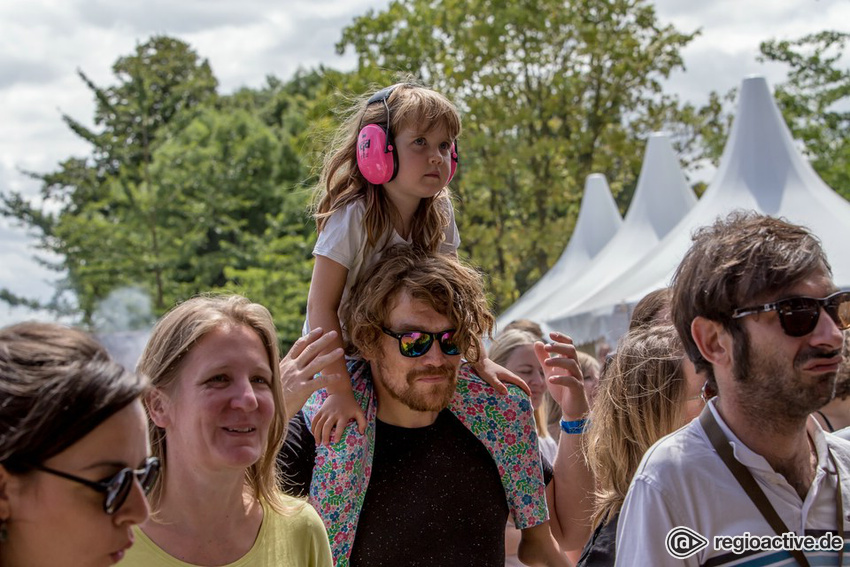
(57, 384)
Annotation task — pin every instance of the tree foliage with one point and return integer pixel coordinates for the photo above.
(101, 213)
(278, 276)
(180, 190)
(187, 191)
(815, 100)
(550, 91)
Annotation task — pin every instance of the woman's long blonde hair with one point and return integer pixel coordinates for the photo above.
(173, 337)
(341, 182)
(639, 400)
(500, 351)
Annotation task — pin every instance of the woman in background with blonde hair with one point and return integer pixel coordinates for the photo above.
(514, 349)
(217, 422)
(648, 390)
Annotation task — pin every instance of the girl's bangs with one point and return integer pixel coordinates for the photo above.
(423, 106)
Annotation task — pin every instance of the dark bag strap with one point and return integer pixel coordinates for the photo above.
(748, 483)
(826, 421)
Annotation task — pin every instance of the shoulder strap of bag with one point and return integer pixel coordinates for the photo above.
(745, 479)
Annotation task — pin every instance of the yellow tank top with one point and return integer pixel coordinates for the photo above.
(297, 539)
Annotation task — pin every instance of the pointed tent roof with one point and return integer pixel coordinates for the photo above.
(761, 169)
(662, 198)
(598, 221)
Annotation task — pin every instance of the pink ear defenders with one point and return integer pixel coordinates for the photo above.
(377, 158)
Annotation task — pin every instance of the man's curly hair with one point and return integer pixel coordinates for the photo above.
(441, 281)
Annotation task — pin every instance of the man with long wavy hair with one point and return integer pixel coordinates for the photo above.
(445, 458)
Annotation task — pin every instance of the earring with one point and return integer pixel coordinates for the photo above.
(707, 392)
(4, 533)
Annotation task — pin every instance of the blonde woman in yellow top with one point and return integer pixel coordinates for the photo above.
(217, 422)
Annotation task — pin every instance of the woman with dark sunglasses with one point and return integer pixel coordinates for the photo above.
(217, 422)
(74, 462)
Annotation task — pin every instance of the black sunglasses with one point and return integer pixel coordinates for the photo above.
(799, 315)
(117, 487)
(417, 343)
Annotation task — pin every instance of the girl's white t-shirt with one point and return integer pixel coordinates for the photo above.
(343, 240)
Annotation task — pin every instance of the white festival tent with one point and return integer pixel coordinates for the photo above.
(598, 221)
(662, 199)
(762, 170)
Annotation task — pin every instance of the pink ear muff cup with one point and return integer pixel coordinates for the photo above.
(375, 163)
(454, 164)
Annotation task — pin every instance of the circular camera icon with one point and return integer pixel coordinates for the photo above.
(682, 542)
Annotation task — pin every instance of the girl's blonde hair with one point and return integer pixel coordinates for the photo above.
(639, 400)
(500, 351)
(173, 337)
(341, 182)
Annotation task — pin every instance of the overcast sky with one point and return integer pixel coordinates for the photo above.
(44, 42)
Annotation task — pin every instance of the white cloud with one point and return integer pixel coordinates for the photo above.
(186, 16)
(727, 47)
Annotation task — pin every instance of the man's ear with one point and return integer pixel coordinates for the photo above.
(713, 341)
(157, 403)
(370, 351)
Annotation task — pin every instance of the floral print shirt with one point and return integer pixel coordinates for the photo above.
(504, 424)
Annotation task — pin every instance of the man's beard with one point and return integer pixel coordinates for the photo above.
(422, 397)
(773, 391)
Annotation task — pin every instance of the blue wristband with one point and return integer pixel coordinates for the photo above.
(574, 427)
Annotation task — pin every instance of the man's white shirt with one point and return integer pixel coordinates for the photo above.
(681, 481)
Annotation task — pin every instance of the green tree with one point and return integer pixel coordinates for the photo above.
(100, 213)
(185, 191)
(814, 100)
(298, 111)
(219, 181)
(550, 91)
